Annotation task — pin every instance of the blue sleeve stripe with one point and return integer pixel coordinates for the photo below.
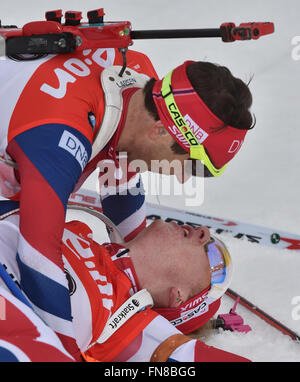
(45, 293)
(59, 152)
(120, 207)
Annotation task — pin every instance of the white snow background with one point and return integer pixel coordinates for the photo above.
(261, 185)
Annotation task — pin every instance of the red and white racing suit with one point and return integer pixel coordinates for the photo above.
(100, 279)
(51, 112)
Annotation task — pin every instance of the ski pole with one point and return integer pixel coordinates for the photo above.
(263, 315)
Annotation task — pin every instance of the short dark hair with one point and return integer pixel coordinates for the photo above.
(148, 99)
(228, 97)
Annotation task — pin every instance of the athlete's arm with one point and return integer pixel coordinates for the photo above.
(24, 337)
(123, 199)
(50, 160)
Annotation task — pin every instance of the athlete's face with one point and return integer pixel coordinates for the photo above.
(178, 252)
(156, 153)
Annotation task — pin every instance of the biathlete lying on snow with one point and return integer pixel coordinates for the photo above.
(130, 302)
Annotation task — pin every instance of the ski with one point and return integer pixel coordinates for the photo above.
(239, 230)
(263, 315)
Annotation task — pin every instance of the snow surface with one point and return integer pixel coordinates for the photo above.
(261, 186)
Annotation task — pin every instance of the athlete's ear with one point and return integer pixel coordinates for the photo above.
(175, 298)
(157, 131)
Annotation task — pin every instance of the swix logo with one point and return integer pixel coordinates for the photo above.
(179, 136)
(194, 303)
(73, 145)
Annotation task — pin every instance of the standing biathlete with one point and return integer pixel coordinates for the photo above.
(63, 114)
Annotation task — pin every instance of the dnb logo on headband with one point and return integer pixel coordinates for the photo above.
(176, 100)
(199, 133)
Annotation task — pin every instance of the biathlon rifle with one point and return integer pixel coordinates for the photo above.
(53, 36)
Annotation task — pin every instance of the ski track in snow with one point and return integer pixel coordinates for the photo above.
(262, 185)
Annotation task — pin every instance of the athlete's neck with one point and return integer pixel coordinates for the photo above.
(136, 122)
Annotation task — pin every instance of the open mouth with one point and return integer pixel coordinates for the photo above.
(187, 231)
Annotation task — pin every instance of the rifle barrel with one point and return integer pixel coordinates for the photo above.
(174, 33)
